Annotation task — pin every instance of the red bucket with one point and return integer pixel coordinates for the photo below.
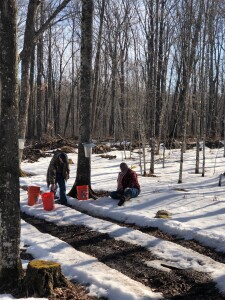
(33, 194)
(48, 200)
(83, 192)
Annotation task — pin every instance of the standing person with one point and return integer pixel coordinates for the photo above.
(127, 185)
(58, 173)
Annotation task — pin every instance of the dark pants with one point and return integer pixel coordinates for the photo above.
(129, 193)
(62, 188)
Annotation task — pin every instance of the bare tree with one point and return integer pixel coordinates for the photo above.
(159, 68)
(40, 71)
(97, 64)
(84, 163)
(189, 41)
(10, 264)
(30, 39)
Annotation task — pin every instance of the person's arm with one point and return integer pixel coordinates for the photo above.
(133, 183)
(68, 169)
(119, 182)
(52, 179)
(65, 167)
(51, 174)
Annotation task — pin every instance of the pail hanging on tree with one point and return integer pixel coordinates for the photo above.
(83, 192)
(33, 194)
(48, 200)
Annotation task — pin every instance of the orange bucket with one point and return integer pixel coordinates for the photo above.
(83, 192)
(48, 200)
(33, 194)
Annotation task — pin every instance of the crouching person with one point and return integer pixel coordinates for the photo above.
(58, 173)
(127, 185)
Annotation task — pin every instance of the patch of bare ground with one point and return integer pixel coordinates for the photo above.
(156, 232)
(131, 260)
(75, 291)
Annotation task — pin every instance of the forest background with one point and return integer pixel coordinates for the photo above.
(158, 70)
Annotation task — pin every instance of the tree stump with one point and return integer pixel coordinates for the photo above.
(42, 277)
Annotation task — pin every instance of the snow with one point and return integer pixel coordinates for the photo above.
(197, 208)
(7, 297)
(85, 268)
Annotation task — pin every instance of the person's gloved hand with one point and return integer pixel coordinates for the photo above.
(53, 187)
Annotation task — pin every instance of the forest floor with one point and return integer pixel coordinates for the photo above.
(129, 259)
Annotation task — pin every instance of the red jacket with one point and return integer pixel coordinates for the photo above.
(130, 180)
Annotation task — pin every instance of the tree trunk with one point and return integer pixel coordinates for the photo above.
(49, 123)
(84, 163)
(201, 103)
(112, 122)
(57, 106)
(32, 103)
(10, 264)
(25, 68)
(189, 43)
(40, 69)
(72, 97)
(152, 45)
(97, 66)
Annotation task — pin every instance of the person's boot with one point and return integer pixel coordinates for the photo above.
(123, 199)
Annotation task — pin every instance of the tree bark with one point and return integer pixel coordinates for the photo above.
(49, 123)
(32, 102)
(97, 64)
(25, 67)
(188, 62)
(40, 69)
(10, 264)
(84, 163)
(42, 277)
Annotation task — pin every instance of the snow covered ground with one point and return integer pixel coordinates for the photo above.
(197, 207)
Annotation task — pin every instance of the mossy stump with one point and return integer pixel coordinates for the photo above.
(42, 277)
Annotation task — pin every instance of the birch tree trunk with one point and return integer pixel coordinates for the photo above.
(10, 264)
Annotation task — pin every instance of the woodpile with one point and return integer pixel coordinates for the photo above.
(68, 149)
(32, 155)
(172, 144)
(107, 156)
(214, 144)
(101, 148)
(35, 149)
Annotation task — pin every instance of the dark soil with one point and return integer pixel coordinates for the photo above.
(154, 231)
(130, 260)
(191, 244)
